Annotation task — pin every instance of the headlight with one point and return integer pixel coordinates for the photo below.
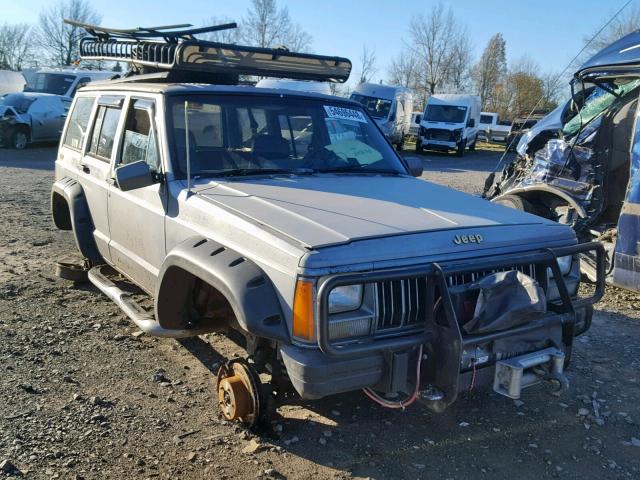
(345, 299)
(565, 265)
(457, 133)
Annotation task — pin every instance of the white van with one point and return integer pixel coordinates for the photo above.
(449, 122)
(64, 82)
(390, 107)
(11, 82)
(295, 85)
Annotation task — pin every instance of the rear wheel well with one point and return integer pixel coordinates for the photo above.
(185, 300)
(60, 212)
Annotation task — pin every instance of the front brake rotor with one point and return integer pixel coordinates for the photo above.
(239, 392)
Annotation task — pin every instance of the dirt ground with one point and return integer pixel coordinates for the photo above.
(83, 397)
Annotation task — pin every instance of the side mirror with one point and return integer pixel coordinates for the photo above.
(134, 175)
(415, 166)
(418, 119)
(471, 123)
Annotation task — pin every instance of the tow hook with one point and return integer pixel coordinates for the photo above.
(514, 374)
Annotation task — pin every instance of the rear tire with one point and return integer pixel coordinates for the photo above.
(419, 148)
(472, 147)
(400, 144)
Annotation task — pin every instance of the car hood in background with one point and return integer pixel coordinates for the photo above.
(325, 210)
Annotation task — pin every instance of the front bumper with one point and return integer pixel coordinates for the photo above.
(386, 363)
(430, 143)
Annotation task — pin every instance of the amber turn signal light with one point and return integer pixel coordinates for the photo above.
(303, 322)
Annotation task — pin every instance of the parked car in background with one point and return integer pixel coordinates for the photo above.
(582, 165)
(64, 82)
(492, 129)
(450, 122)
(520, 127)
(414, 128)
(31, 117)
(11, 82)
(390, 107)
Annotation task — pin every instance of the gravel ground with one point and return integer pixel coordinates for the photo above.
(83, 396)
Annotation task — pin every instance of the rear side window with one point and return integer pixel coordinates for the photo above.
(104, 132)
(78, 123)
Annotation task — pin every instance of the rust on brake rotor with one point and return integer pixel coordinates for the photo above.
(238, 392)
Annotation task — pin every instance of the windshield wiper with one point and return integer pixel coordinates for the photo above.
(243, 172)
(357, 169)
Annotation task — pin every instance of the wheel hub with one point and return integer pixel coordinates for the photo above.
(239, 392)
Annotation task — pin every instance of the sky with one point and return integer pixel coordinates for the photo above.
(550, 32)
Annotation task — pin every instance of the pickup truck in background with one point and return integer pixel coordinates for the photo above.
(492, 129)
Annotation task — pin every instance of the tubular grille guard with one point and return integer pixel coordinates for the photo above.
(436, 275)
(212, 57)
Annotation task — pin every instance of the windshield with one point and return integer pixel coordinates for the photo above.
(19, 102)
(486, 119)
(445, 113)
(244, 135)
(55, 83)
(377, 107)
(597, 102)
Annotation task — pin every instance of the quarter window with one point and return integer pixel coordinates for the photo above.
(78, 123)
(104, 132)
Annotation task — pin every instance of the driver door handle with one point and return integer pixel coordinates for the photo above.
(85, 168)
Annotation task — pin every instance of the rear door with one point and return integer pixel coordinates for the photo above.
(95, 170)
(136, 217)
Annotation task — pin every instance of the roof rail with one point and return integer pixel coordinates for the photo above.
(174, 49)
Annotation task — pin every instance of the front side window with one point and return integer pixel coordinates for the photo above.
(139, 138)
(445, 113)
(78, 123)
(104, 132)
(233, 135)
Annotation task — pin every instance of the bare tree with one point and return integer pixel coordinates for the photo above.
(402, 71)
(458, 71)
(368, 64)
(628, 21)
(60, 40)
(432, 38)
(490, 71)
(15, 47)
(266, 25)
(231, 35)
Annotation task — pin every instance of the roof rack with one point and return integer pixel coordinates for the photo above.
(174, 49)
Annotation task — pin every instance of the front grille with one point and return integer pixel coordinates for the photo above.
(401, 304)
(439, 134)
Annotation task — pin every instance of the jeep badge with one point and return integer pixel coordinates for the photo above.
(463, 239)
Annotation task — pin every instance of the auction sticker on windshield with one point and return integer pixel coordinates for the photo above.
(343, 113)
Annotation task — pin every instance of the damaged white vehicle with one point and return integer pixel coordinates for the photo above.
(288, 220)
(31, 117)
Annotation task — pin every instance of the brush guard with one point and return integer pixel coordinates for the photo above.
(442, 336)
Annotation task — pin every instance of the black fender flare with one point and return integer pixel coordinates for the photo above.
(79, 219)
(244, 284)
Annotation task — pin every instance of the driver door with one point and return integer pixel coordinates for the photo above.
(136, 217)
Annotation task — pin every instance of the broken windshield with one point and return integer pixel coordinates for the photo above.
(445, 113)
(597, 102)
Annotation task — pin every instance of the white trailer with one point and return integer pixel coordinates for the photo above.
(390, 107)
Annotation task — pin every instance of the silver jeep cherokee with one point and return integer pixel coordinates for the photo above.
(288, 217)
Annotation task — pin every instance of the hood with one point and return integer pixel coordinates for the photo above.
(324, 210)
(622, 53)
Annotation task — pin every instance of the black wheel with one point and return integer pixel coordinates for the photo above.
(515, 202)
(419, 148)
(20, 138)
(74, 272)
(400, 144)
(461, 147)
(240, 395)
